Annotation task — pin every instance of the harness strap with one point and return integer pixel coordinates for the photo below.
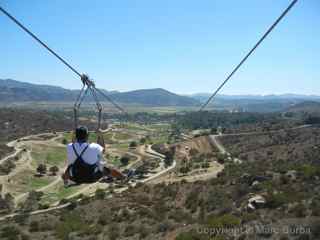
(77, 154)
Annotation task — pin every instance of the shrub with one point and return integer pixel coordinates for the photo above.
(114, 232)
(169, 155)
(185, 236)
(73, 204)
(164, 227)
(248, 217)
(25, 236)
(32, 201)
(303, 237)
(100, 194)
(221, 158)
(21, 219)
(309, 171)
(192, 201)
(146, 212)
(44, 206)
(124, 160)
(53, 170)
(299, 210)
(133, 144)
(10, 232)
(224, 221)
(34, 226)
(71, 222)
(130, 230)
(178, 215)
(275, 200)
(315, 207)
(6, 167)
(240, 191)
(193, 151)
(205, 165)
(144, 232)
(217, 199)
(42, 169)
(185, 170)
(315, 229)
(192, 235)
(160, 210)
(104, 218)
(63, 201)
(143, 198)
(142, 141)
(85, 200)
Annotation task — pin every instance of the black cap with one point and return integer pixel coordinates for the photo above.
(82, 133)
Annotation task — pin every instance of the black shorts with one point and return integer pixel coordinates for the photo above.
(94, 178)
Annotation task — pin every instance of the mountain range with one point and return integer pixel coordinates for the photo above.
(16, 91)
(202, 97)
(255, 103)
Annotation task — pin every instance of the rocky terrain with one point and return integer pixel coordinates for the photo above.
(246, 185)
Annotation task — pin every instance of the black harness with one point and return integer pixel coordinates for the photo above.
(83, 172)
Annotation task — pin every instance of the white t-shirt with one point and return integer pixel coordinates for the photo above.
(93, 154)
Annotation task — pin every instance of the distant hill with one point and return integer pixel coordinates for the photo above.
(154, 97)
(202, 97)
(16, 91)
(11, 90)
(305, 107)
(255, 103)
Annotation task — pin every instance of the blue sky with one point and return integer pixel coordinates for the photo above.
(182, 45)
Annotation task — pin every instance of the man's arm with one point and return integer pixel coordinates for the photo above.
(70, 157)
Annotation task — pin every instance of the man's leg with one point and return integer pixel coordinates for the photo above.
(112, 173)
(66, 176)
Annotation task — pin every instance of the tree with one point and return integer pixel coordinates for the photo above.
(213, 130)
(124, 160)
(205, 165)
(10, 201)
(193, 151)
(6, 167)
(42, 169)
(114, 232)
(32, 201)
(64, 141)
(185, 169)
(143, 141)
(7, 203)
(133, 144)
(169, 158)
(53, 170)
(312, 120)
(221, 158)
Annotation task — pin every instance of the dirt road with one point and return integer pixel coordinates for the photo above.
(217, 143)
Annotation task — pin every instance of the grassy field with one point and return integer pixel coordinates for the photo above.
(114, 160)
(26, 181)
(122, 136)
(92, 137)
(160, 139)
(160, 126)
(49, 155)
(122, 146)
(59, 192)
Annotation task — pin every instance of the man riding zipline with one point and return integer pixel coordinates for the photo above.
(85, 161)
